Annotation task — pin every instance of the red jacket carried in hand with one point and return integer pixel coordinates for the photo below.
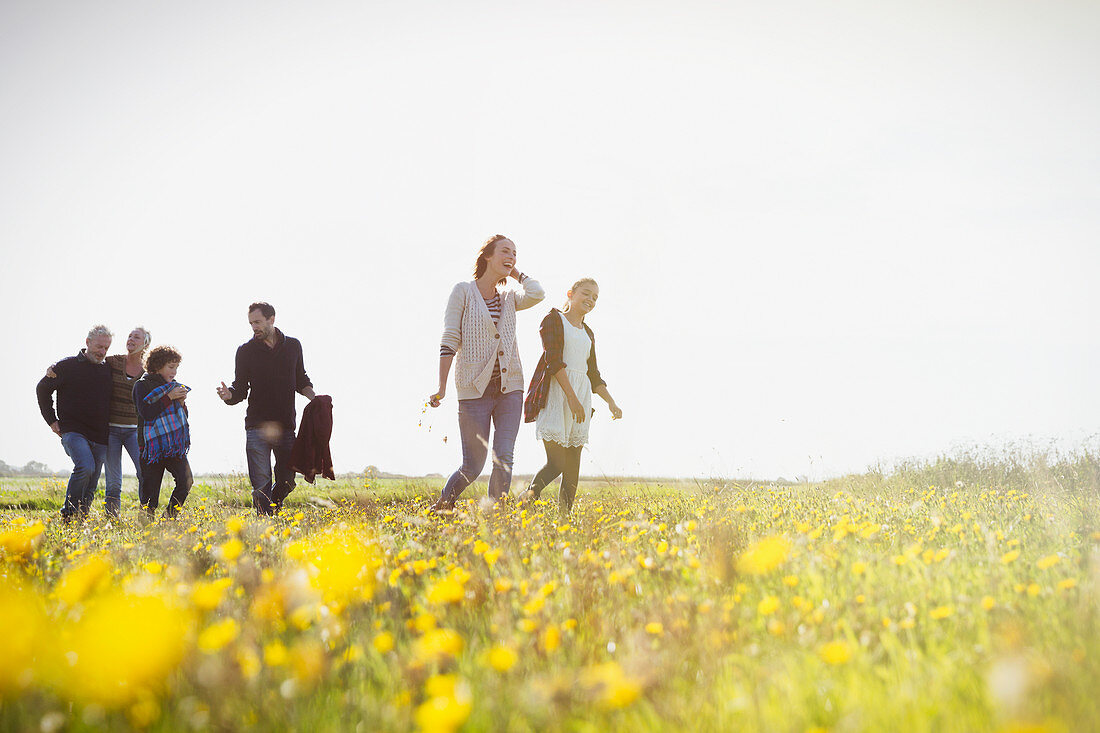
(310, 455)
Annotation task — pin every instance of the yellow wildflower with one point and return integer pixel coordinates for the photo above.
(502, 658)
(218, 634)
(764, 556)
(835, 653)
(383, 642)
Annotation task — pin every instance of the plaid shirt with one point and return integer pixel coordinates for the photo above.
(552, 361)
(166, 435)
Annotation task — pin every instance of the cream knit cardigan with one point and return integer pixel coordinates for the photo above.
(468, 329)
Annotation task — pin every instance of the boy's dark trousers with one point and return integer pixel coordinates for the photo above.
(153, 473)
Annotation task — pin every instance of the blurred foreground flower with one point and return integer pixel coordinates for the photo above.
(81, 580)
(448, 704)
(23, 617)
(19, 543)
(123, 647)
(215, 636)
(341, 566)
(835, 653)
(764, 556)
(610, 686)
(436, 645)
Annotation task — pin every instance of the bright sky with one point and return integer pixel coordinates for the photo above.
(826, 233)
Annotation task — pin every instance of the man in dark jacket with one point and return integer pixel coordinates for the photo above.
(269, 370)
(83, 385)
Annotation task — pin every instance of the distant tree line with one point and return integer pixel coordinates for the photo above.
(33, 468)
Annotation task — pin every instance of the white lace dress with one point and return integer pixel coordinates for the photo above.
(555, 421)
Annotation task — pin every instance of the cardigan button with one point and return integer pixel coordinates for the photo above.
(503, 369)
(500, 353)
(497, 335)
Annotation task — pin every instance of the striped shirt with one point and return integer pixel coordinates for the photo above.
(122, 393)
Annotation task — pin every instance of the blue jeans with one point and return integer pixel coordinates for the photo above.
(474, 417)
(117, 439)
(87, 458)
(259, 444)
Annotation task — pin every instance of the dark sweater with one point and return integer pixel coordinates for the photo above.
(83, 397)
(552, 332)
(269, 377)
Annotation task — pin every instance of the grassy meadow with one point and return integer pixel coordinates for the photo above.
(960, 594)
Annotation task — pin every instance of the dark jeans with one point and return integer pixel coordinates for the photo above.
(259, 444)
(503, 411)
(564, 462)
(153, 473)
(119, 438)
(87, 458)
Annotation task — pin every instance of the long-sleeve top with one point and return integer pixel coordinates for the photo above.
(551, 362)
(269, 377)
(83, 397)
(122, 396)
(480, 345)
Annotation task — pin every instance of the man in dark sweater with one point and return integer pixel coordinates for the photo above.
(269, 370)
(83, 385)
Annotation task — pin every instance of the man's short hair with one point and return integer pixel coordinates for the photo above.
(266, 309)
(159, 356)
(100, 330)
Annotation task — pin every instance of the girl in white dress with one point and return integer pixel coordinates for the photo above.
(559, 399)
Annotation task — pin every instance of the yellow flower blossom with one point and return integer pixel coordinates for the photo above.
(25, 640)
(1048, 562)
(437, 644)
(383, 642)
(81, 580)
(448, 705)
(207, 595)
(218, 634)
(551, 638)
(502, 658)
(835, 653)
(20, 543)
(111, 668)
(764, 556)
(610, 686)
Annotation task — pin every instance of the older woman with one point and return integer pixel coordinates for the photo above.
(479, 336)
(126, 369)
(123, 422)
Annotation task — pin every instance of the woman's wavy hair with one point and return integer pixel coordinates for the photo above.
(485, 253)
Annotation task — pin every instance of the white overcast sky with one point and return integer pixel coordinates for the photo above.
(826, 233)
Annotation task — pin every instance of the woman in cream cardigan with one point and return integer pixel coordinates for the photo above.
(479, 338)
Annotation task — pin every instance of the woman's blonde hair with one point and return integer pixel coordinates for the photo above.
(582, 281)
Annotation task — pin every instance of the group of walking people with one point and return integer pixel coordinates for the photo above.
(479, 343)
(133, 401)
